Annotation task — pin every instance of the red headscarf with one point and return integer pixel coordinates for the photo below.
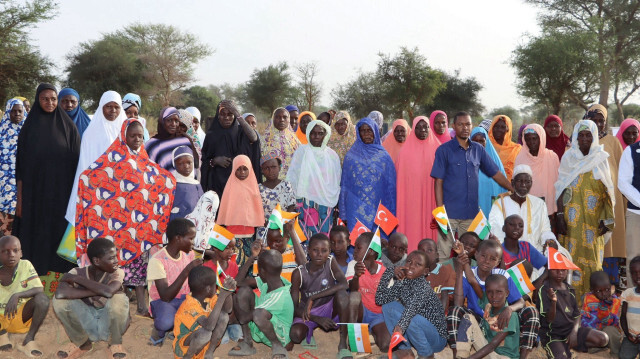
(623, 127)
(446, 136)
(558, 144)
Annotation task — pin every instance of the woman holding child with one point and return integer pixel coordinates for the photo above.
(585, 195)
(314, 175)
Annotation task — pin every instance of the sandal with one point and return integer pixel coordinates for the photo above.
(242, 349)
(117, 351)
(344, 353)
(156, 342)
(71, 351)
(29, 349)
(280, 353)
(5, 343)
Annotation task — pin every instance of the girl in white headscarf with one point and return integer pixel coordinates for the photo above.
(314, 174)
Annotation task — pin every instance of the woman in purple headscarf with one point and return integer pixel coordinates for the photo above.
(160, 147)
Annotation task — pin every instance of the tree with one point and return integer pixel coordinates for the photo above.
(311, 89)
(205, 100)
(360, 96)
(408, 82)
(154, 61)
(458, 95)
(615, 29)
(22, 67)
(555, 69)
(169, 54)
(269, 87)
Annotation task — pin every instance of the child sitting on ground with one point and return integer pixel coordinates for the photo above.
(560, 329)
(363, 275)
(441, 277)
(490, 338)
(202, 318)
(319, 292)
(395, 254)
(513, 249)
(601, 310)
(292, 254)
(630, 314)
(266, 316)
(188, 188)
(90, 302)
(411, 308)
(225, 259)
(341, 248)
(488, 255)
(167, 275)
(23, 304)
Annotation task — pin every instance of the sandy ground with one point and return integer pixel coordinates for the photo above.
(52, 336)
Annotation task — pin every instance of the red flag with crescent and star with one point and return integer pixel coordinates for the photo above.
(340, 222)
(357, 230)
(385, 219)
(396, 338)
(558, 261)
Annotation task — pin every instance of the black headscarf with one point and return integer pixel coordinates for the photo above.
(228, 142)
(46, 161)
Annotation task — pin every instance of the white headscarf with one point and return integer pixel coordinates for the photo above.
(200, 134)
(314, 172)
(203, 216)
(574, 163)
(98, 136)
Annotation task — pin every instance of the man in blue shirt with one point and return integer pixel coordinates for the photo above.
(455, 171)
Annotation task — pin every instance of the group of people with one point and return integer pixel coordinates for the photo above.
(99, 211)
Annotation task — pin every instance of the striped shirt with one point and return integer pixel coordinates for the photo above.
(632, 298)
(161, 151)
(288, 264)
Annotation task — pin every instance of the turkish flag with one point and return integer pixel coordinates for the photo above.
(357, 230)
(340, 222)
(396, 338)
(558, 261)
(385, 219)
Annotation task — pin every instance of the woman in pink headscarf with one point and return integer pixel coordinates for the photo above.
(416, 197)
(628, 132)
(544, 164)
(440, 126)
(399, 133)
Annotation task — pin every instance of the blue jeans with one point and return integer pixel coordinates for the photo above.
(164, 313)
(421, 334)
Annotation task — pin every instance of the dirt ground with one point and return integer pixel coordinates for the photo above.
(52, 336)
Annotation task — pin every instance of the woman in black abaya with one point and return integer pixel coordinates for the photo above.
(46, 161)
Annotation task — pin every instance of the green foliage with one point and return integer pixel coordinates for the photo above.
(631, 110)
(360, 96)
(204, 99)
(22, 67)
(408, 81)
(269, 87)
(460, 94)
(154, 61)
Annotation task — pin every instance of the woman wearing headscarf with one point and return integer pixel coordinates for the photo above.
(520, 134)
(368, 177)
(488, 188)
(400, 131)
(303, 121)
(585, 197)
(125, 197)
(440, 126)
(279, 140)
(500, 134)
(343, 134)
(132, 104)
(416, 198)
(160, 147)
(10, 126)
(70, 102)
(186, 129)
(615, 249)
(543, 162)
(101, 133)
(377, 117)
(557, 140)
(628, 132)
(230, 135)
(46, 160)
(314, 174)
(197, 123)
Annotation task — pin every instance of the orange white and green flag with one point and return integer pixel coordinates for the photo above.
(521, 279)
(441, 218)
(359, 337)
(220, 237)
(480, 225)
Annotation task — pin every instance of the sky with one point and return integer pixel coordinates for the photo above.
(343, 37)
